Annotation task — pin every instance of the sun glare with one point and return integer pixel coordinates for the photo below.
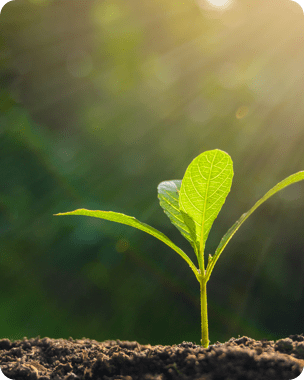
(220, 3)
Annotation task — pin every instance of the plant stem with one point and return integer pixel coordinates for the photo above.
(204, 313)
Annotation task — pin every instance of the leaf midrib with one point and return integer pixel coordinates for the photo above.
(202, 245)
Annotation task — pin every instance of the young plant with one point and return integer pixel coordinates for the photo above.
(192, 204)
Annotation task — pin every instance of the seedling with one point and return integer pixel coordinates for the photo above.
(192, 204)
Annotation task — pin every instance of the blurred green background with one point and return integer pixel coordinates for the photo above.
(100, 100)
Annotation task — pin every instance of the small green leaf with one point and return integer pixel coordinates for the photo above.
(204, 188)
(232, 230)
(168, 194)
(133, 222)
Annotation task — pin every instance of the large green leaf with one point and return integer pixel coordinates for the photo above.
(232, 230)
(204, 188)
(168, 194)
(133, 222)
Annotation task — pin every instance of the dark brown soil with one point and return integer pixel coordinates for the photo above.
(85, 359)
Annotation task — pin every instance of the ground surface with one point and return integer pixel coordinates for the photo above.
(85, 359)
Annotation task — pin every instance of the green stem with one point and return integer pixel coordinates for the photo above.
(204, 313)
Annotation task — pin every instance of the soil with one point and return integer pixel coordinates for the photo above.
(85, 359)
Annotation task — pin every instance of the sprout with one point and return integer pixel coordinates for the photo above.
(192, 204)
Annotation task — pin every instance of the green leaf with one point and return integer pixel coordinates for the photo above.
(204, 188)
(168, 194)
(133, 222)
(232, 230)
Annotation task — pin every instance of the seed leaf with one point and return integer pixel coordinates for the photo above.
(168, 194)
(204, 188)
(133, 222)
(232, 230)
